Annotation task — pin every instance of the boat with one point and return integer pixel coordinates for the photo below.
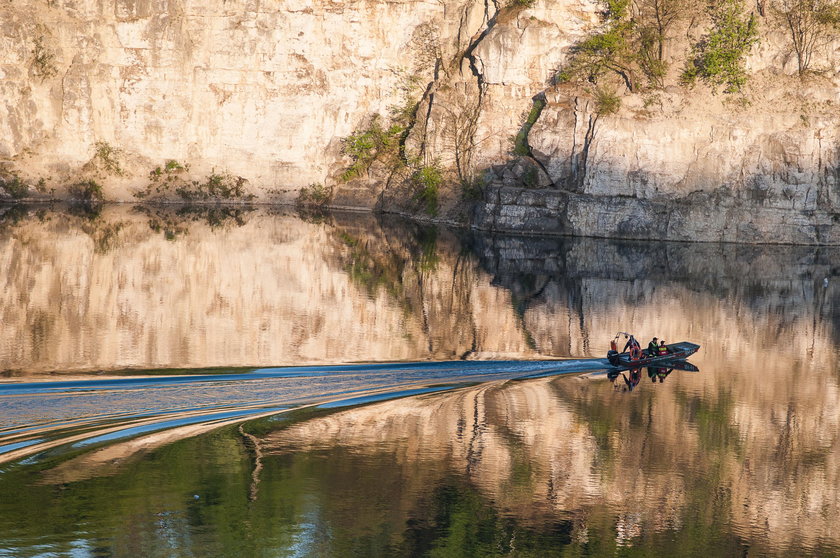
(638, 358)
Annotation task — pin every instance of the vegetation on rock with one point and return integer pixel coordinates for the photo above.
(383, 143)
(88, 191)
(427, 180)
(609, 51)
(520, 142)
(172, 180)
(43, 60)
(106, 158)
(809, 24)
(473, 190)
(14, 187)
(631, 44)
(216, 187)
(606, 102)
(315, 195)
(719, 57)
(376, 142)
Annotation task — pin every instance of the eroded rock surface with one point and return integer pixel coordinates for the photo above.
(263, 94)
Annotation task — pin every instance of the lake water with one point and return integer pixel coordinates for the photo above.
(254, 382)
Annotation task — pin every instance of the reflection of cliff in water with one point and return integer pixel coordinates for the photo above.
(767, 320)
(593, 277)
(661, 469)
(157, 287)
(752, 440)
(151, 287)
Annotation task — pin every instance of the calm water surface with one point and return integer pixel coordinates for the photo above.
(193, 382)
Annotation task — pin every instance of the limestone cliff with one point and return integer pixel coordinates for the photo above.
(256, 98)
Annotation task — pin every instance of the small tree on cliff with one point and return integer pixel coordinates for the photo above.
(809, 25)
(609, 51)
(719, 57)
(655, 20)
(632, 42)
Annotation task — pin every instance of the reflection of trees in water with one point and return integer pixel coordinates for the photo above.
(421, 268)
(565, 469)
(175, 221)
(12, 215)
(458, 294)
(564, 291)
(87, 217)
(767, 317)
(785, 282)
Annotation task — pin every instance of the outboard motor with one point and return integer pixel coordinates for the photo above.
(612, 354)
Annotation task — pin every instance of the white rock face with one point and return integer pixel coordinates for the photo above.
(267, 90)
(261, 89)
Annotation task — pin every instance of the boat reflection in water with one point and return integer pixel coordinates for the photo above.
(632, 376)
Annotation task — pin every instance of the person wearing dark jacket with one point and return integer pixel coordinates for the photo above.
(653, 347)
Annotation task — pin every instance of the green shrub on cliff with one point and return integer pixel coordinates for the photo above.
(610, 51)
(809, 25)
(216, 187)
(606, 102)
(719, 58)
(14, 187)
(88, 192)
(172, 165)
(631, 43)
(472, 189)
(376, 142)
(382, 140)
(315, 195)
(43, 60)
(107, 158)
(173, 179)
(520, 142)
(427, 180)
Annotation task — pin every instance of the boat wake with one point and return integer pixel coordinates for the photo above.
(42, 420)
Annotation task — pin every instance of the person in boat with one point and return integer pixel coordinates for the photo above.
(663, 350)
(631, 342)
(653, 347)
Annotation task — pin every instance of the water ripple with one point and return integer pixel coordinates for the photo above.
(40, 416)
